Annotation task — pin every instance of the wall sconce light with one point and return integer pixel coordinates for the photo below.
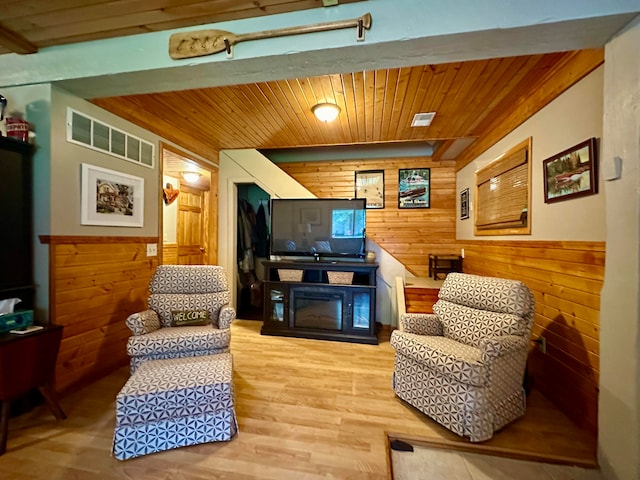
(326, 112)
(191, 177)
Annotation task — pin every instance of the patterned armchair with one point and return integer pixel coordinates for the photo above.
(178, 294)
(464, 365)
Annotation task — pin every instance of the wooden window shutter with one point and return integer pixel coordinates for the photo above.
(502, 194)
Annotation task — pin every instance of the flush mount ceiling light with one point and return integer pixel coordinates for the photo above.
(422, 119)
(191, 177)
(326, 112)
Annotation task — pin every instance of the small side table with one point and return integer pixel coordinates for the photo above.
(27, 362)
(444, 264)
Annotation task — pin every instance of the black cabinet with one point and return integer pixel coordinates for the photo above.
(16, 242)
(323, 300)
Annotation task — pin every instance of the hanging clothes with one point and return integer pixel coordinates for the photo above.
(246, 236)
(262, 233)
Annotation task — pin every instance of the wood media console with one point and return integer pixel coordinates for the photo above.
(322, 300)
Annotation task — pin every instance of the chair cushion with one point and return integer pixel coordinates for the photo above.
(165, 303)
(445, 356)
(182, 339)
(471, 325)
(188, 279)
(488, 293)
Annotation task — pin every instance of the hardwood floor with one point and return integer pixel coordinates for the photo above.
(306, 409)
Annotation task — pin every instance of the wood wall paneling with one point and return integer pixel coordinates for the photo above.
(95, 283)
(420, 300)
(566, 279)
(407, 234)
(170, 254)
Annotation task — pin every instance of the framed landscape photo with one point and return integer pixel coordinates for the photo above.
(111, 198)
(464, 204)
(414, 188)
(369, 184)
(571, 173)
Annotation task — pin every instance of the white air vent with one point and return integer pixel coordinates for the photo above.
(89, 132)
(422, 119)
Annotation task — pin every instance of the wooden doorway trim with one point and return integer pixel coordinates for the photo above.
(210, 217)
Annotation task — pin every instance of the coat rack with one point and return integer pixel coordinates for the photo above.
(208, 42)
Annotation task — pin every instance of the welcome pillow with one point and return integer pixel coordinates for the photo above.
(189, 318)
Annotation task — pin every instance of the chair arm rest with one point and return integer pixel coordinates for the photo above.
(421, 324)
(226, 316)
(143, 322)
(495, 347)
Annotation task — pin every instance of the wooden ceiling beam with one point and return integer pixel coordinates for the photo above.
(15, 42)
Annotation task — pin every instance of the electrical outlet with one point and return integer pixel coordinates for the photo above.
(152, 249)
(542, 344)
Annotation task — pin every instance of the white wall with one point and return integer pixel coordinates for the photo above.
(170, 213)
(572, 118)
(619, 401)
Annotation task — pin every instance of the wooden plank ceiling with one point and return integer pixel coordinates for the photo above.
(469, 98)
(376, 106)
(27, 25)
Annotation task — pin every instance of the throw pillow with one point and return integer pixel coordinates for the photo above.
(189, 318)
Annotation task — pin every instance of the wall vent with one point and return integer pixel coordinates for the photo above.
(89, 132)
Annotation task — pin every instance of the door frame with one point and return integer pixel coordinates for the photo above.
(212, 206)
(232, 233)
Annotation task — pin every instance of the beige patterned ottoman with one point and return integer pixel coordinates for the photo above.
(174, 403)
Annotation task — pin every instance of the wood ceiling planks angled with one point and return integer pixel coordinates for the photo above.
(376, 106)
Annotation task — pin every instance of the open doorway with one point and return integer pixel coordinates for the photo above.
(252, 248)
(189, 223)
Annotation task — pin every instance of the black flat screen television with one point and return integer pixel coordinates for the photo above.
(318, 227)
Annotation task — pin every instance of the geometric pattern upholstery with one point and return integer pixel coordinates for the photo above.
(181, 288)
(174, 403)
(470, 325)
(464, 364)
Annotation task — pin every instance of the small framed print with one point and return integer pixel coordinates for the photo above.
(369, 184)
(414, 188)
(464, 204)
(571, 173)
(111, 198)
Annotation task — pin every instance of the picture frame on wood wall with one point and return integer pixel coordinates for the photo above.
(369, 184)
(111, 198)
(414, 188)
(464, 204)
(571, 173)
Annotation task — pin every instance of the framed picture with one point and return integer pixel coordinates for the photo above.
(464, 204)
(414, 188)
(571, 173)
(310, 216)
(111, 198)
(370, 185)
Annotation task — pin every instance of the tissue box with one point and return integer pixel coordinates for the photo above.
(19, 319)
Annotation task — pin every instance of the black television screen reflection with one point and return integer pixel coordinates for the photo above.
(318, 227)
